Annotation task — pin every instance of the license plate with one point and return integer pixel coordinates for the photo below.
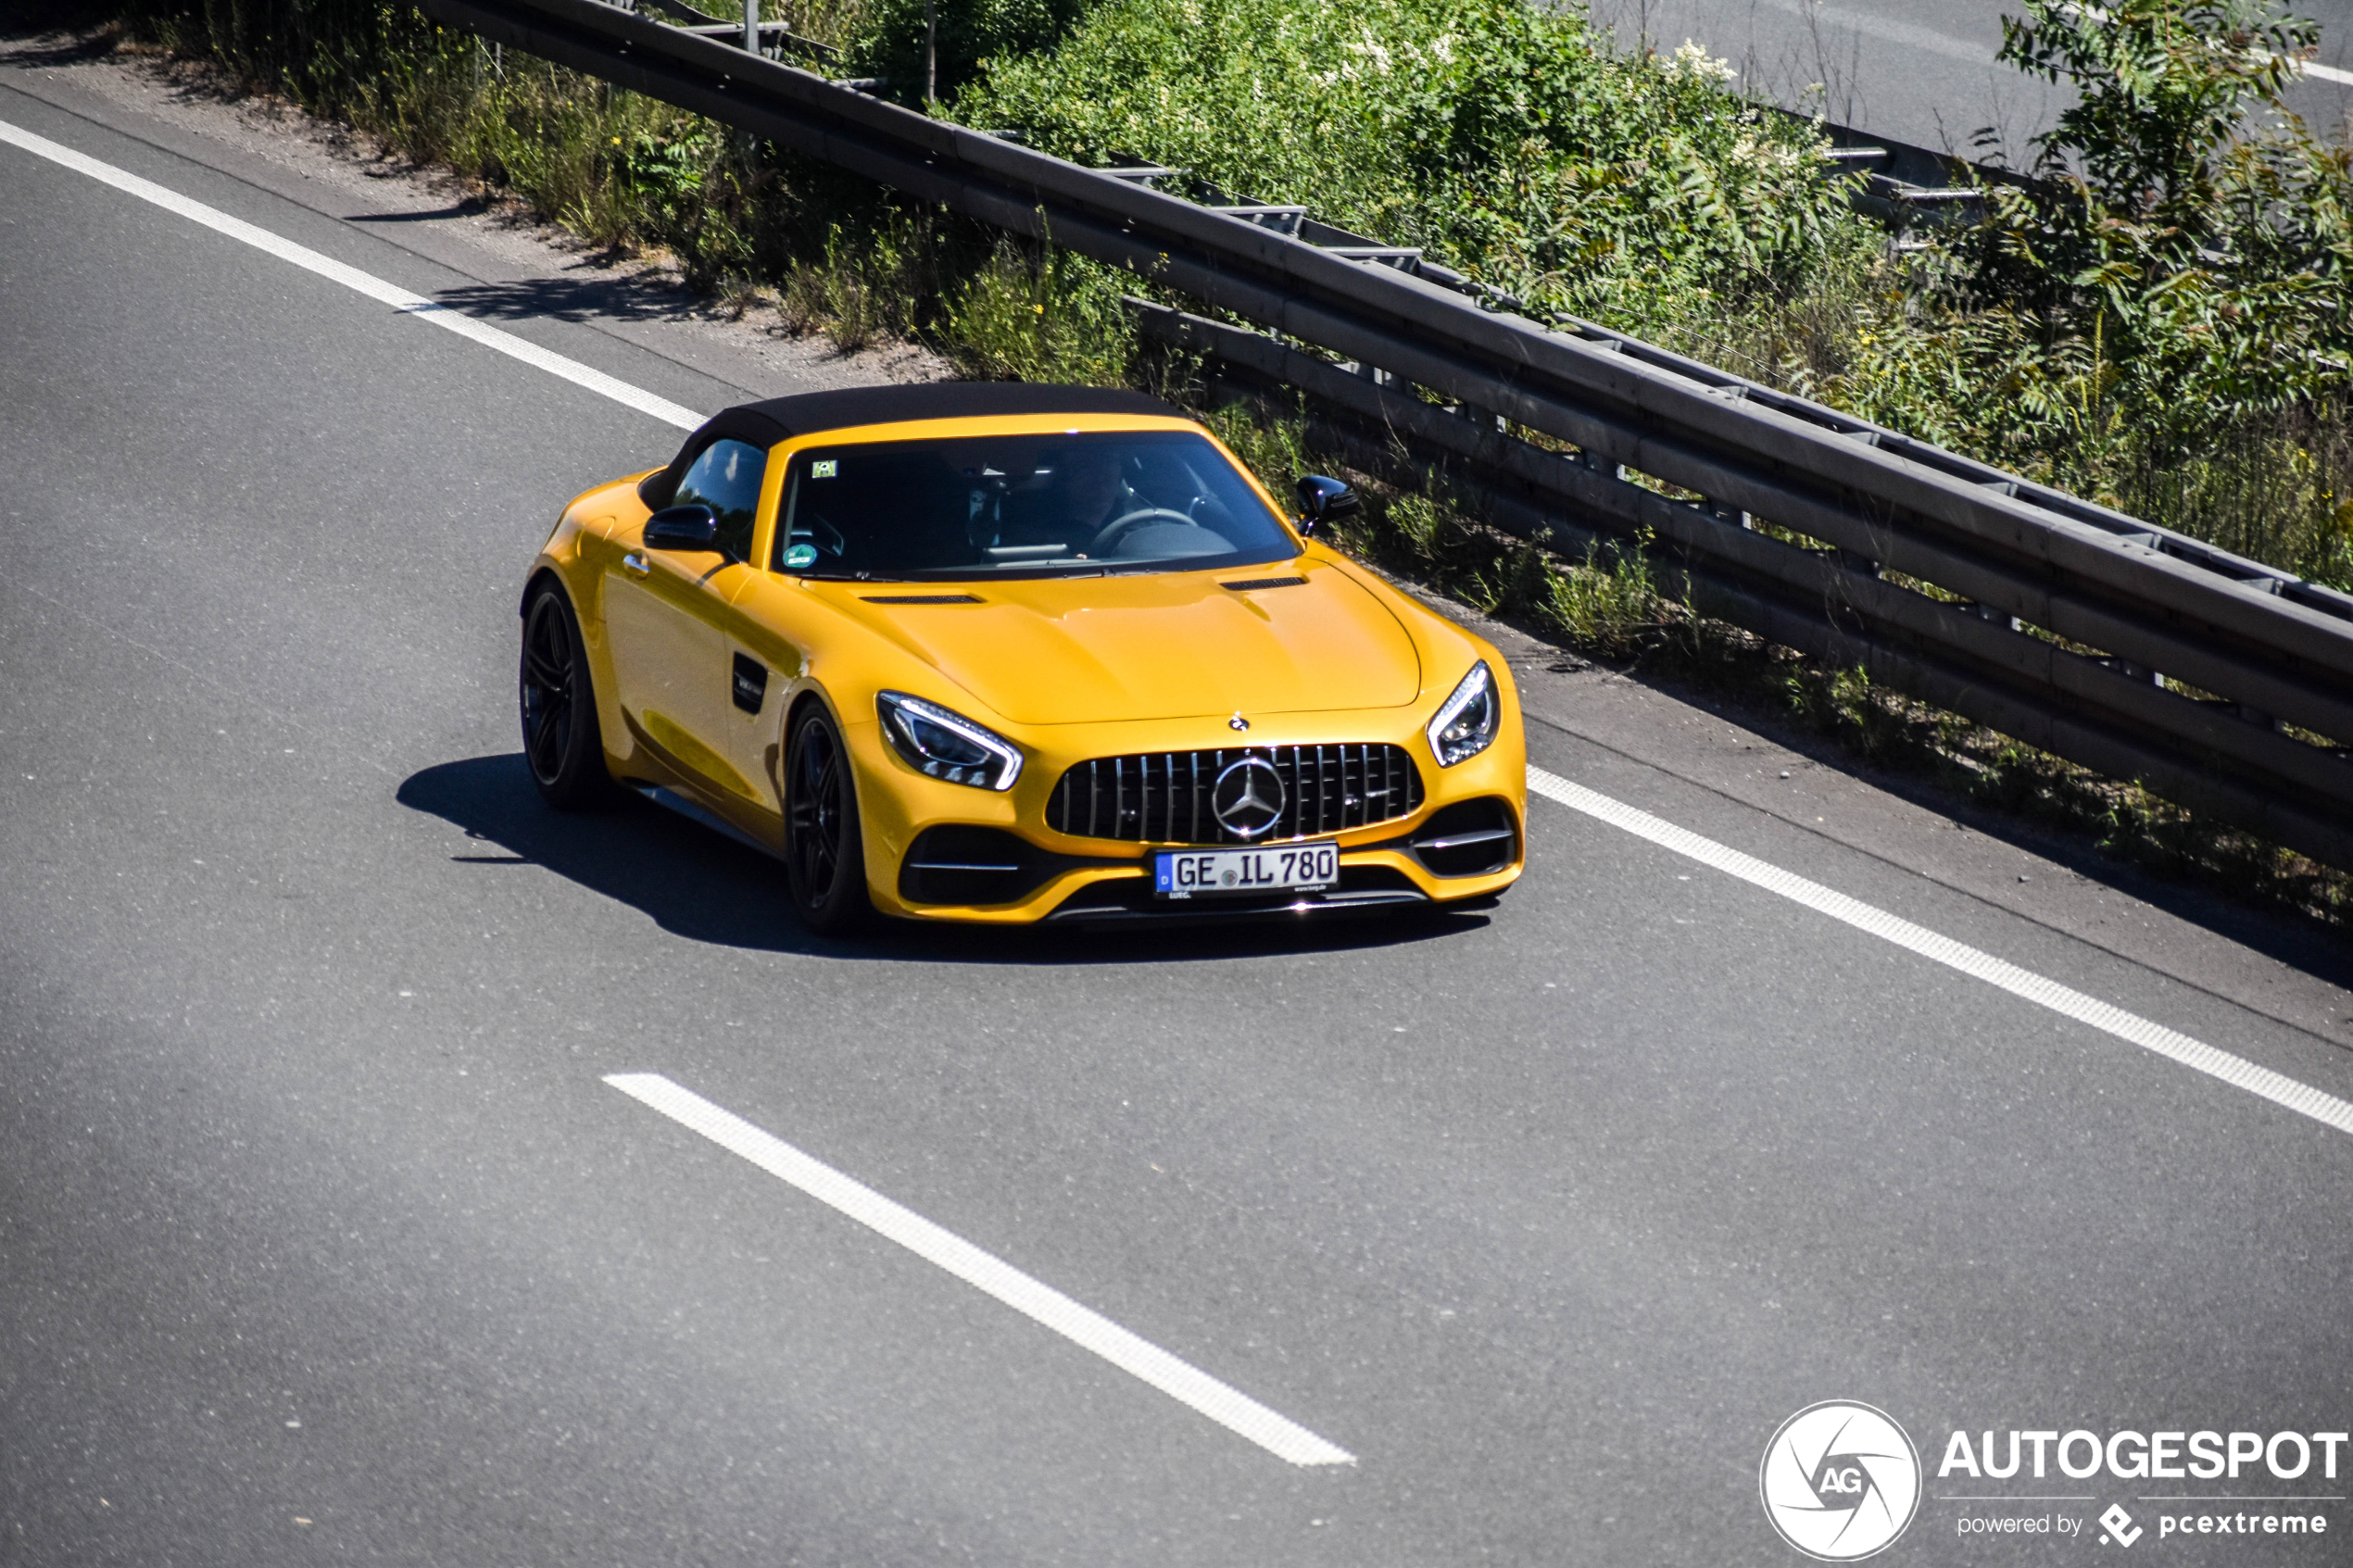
(1289, 867)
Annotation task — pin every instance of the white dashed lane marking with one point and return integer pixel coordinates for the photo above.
(1083, 1327)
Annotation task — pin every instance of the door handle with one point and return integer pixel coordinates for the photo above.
(634, 562)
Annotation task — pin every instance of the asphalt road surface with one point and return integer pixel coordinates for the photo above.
(322, 1236)
(1920, 71)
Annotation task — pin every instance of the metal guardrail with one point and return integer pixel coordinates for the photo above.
(1905, 185)
(2050, 618)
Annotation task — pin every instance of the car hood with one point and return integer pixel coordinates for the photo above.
(1170, 645)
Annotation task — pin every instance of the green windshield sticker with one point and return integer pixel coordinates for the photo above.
(824, 467)
(801, 556)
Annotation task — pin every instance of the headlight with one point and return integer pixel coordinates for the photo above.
(1467, 725)
(948, 746)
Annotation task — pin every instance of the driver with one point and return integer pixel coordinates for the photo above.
(1084, 494)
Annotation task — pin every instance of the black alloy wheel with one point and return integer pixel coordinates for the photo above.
(825, 860)
(560, 740)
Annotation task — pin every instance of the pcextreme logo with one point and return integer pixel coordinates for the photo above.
(1840, 1481)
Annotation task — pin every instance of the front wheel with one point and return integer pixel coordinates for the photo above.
(560, 740)
(825, 859)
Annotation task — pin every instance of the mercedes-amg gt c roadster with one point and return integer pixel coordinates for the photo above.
(1010, 653)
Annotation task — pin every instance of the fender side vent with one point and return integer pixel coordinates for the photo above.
(956, 863)
(968, 865)
(1469, 838)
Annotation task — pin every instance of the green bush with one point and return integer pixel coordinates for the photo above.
(2160, 320)
(1501, 136)
(888, 38)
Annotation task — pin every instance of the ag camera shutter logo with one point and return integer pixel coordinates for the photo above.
(1840, 1481)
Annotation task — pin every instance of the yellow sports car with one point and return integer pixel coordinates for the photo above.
(1010, 653)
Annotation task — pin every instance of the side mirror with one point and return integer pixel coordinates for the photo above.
(1322, 499)
(682, 528)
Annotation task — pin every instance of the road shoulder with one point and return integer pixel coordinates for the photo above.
(517, 267)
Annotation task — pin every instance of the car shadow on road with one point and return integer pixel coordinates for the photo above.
(699, 884)
(589, 293)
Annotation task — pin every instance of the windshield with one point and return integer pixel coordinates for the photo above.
(1023, 506)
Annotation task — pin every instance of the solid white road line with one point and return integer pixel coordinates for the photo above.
(1184, 1382)
(375, 288)
(2232, 1070)
(2325, 74)
(2235, 1071)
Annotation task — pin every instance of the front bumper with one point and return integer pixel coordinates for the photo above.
(924, 862)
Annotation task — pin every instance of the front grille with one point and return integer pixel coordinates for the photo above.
(1165, 796)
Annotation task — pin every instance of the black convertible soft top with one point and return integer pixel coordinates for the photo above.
(780, 419)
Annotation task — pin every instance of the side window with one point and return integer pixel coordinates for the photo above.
(726, 479)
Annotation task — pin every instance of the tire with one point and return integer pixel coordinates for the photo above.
(825, 857)
(561, 744)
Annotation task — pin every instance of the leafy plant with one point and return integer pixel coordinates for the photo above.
(1049, 318)
(1500, 136)
(1611, 603)
(890, 38)
(2161, 318)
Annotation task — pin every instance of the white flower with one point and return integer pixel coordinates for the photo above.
(1370, 50)
(1690, 59)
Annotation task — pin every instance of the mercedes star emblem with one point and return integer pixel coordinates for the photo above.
(1249, 797)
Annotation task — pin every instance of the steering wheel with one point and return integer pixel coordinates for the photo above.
(1120, 527)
